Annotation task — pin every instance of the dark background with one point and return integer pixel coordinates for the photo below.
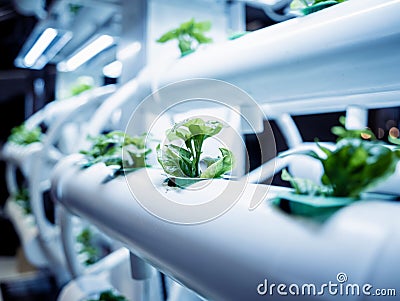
(17, 97)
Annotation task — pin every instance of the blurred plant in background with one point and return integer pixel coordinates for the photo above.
(306, 7)
(82, 84)
(23, 136)
(189, 35)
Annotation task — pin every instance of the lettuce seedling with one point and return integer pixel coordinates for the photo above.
(356, 165)
(353, 166)
(85, 240)
(185, 160)
(23, 136)
(108, 149)
(189, 35)
(22, 198)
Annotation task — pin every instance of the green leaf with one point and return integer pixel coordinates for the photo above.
(78, 89)
(304, 186)
(318, 6)
(201, 38)
(170, 35)
(342, 132)
(342, 120)
(108, 149)
(298, 4)
(23, 136)
(85, 241)
(326, 151)
(394, 140)
(184, 161)
(22, 198)
(178, 132)
(207, 161)
(137, 155)
(220, 166)
(353, 166)
(198, 126)
(357, 165)
(187, 34)
(202, 26)
(169, 160)
(187, 27)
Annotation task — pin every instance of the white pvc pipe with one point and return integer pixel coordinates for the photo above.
(356, 117)
(291, 62)
(226, 258)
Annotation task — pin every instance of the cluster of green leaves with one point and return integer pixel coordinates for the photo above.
(108, 149)
(342, 132)
(109, 295)
(185, 160)
(305, 186)
(310, 6)
(189, 34)
(23, 136)
(78, 89)
(21, 197)
(85, 239)
(395, 141)
(82, 84)
(353, 166)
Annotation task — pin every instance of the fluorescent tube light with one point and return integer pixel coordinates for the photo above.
(113, 70)
(40, 46)
(88, 52)
(129, 51)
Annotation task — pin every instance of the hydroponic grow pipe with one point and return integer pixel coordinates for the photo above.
(228, 257)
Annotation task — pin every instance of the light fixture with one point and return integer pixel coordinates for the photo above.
(86, 53)
(113, 70)
(129, 51)
(41, 47)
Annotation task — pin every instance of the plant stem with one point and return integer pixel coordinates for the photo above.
(198, 143)
(190, 148)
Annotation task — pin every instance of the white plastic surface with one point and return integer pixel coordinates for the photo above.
(27, 232)
(226, 258)
(85, 287)
(345, 54)
(354, 45)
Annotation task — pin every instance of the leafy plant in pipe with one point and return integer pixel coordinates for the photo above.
(86, 247)
(22, 198)
(184, 160)
(22, 135)
(189, 35)
(356, 163)
(108, 149)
